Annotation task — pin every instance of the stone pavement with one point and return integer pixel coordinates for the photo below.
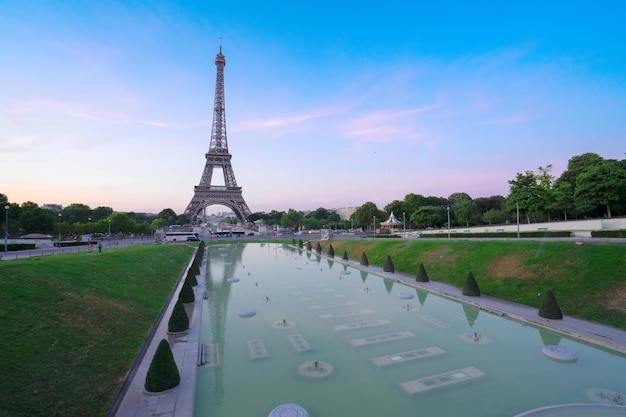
(133, 401)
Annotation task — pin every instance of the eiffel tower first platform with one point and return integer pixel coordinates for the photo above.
(228, 195)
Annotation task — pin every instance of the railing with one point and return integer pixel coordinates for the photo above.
(106, 244)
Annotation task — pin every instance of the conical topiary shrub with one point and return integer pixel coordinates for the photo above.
(163, 372)
(293, 241)
(179, 322)
(331, 251)
(300, 244)
(345, 255)
(308, 245)
(191, 277)
(549, 308)
(186, 293)
(471, 286)
(422, 276)
(364, 260)
(388, 267)
(318, 248)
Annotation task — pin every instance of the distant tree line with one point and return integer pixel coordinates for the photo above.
(80, 219)
(590, 187)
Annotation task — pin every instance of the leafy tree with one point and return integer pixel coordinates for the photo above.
(121, 223)
(599, 186)
(76, 213)
(562, 198)
(577, 165)
(291, 219)
(464, 209)
(168, 215)
(37, 220)
(429, 216)
(494, 216)
(526, 191)
(364, 215)
(483, 204)
(158, 223)
(100, 213)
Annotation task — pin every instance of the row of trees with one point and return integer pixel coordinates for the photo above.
(79, 219)
(590, 187)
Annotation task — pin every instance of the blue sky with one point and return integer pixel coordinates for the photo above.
(328, 104)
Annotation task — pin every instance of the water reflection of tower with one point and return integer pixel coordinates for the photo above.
(219, 289)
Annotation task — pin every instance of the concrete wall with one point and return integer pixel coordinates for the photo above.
(580, 228)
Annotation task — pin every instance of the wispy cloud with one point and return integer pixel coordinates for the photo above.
(509, 120)
(286, 123)
(385, 126)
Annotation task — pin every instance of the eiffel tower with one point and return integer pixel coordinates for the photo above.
(228, 195)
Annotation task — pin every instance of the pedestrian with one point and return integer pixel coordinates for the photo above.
(100, 247)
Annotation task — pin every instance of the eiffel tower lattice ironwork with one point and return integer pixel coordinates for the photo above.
(229, 194)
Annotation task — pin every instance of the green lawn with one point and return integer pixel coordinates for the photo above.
(589, 280)
(72, 325)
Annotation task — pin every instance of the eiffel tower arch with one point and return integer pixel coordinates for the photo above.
(229, 194)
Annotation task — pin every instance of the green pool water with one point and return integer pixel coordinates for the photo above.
(343, 342)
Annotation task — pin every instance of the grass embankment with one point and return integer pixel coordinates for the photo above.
(589, 280)
(72, 324)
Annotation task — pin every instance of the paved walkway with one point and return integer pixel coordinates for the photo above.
(180, 401)
(595, 333)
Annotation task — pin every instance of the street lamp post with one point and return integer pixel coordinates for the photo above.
(404, 221)
(6, 228)
(374, 219)
(89, 218)
(59, 230)
(448, 222)
(110, 229)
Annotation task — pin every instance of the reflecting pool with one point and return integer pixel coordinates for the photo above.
(300, 329)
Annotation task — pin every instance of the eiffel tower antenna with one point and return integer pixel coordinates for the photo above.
(230, 194)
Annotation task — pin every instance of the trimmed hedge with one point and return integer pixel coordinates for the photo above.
(388, 267)
(163, 373)
(422, 276)
(364, 260)
(471, 286)
(331, 251)
(186, 293)
(179, 322)
(549, 308)
(345, 255)
(318, 248)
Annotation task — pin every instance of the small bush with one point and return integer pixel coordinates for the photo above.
(331, 251)
(471, 286)
(163, 372)
(549, 308)
(364, 260)
(422, 276)
(388, 265)
(186, 293)
(345, 255)
(318, 248)
(179, 322)
(308, 245)
(300, 244)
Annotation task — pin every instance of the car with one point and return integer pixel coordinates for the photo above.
(192, 239)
